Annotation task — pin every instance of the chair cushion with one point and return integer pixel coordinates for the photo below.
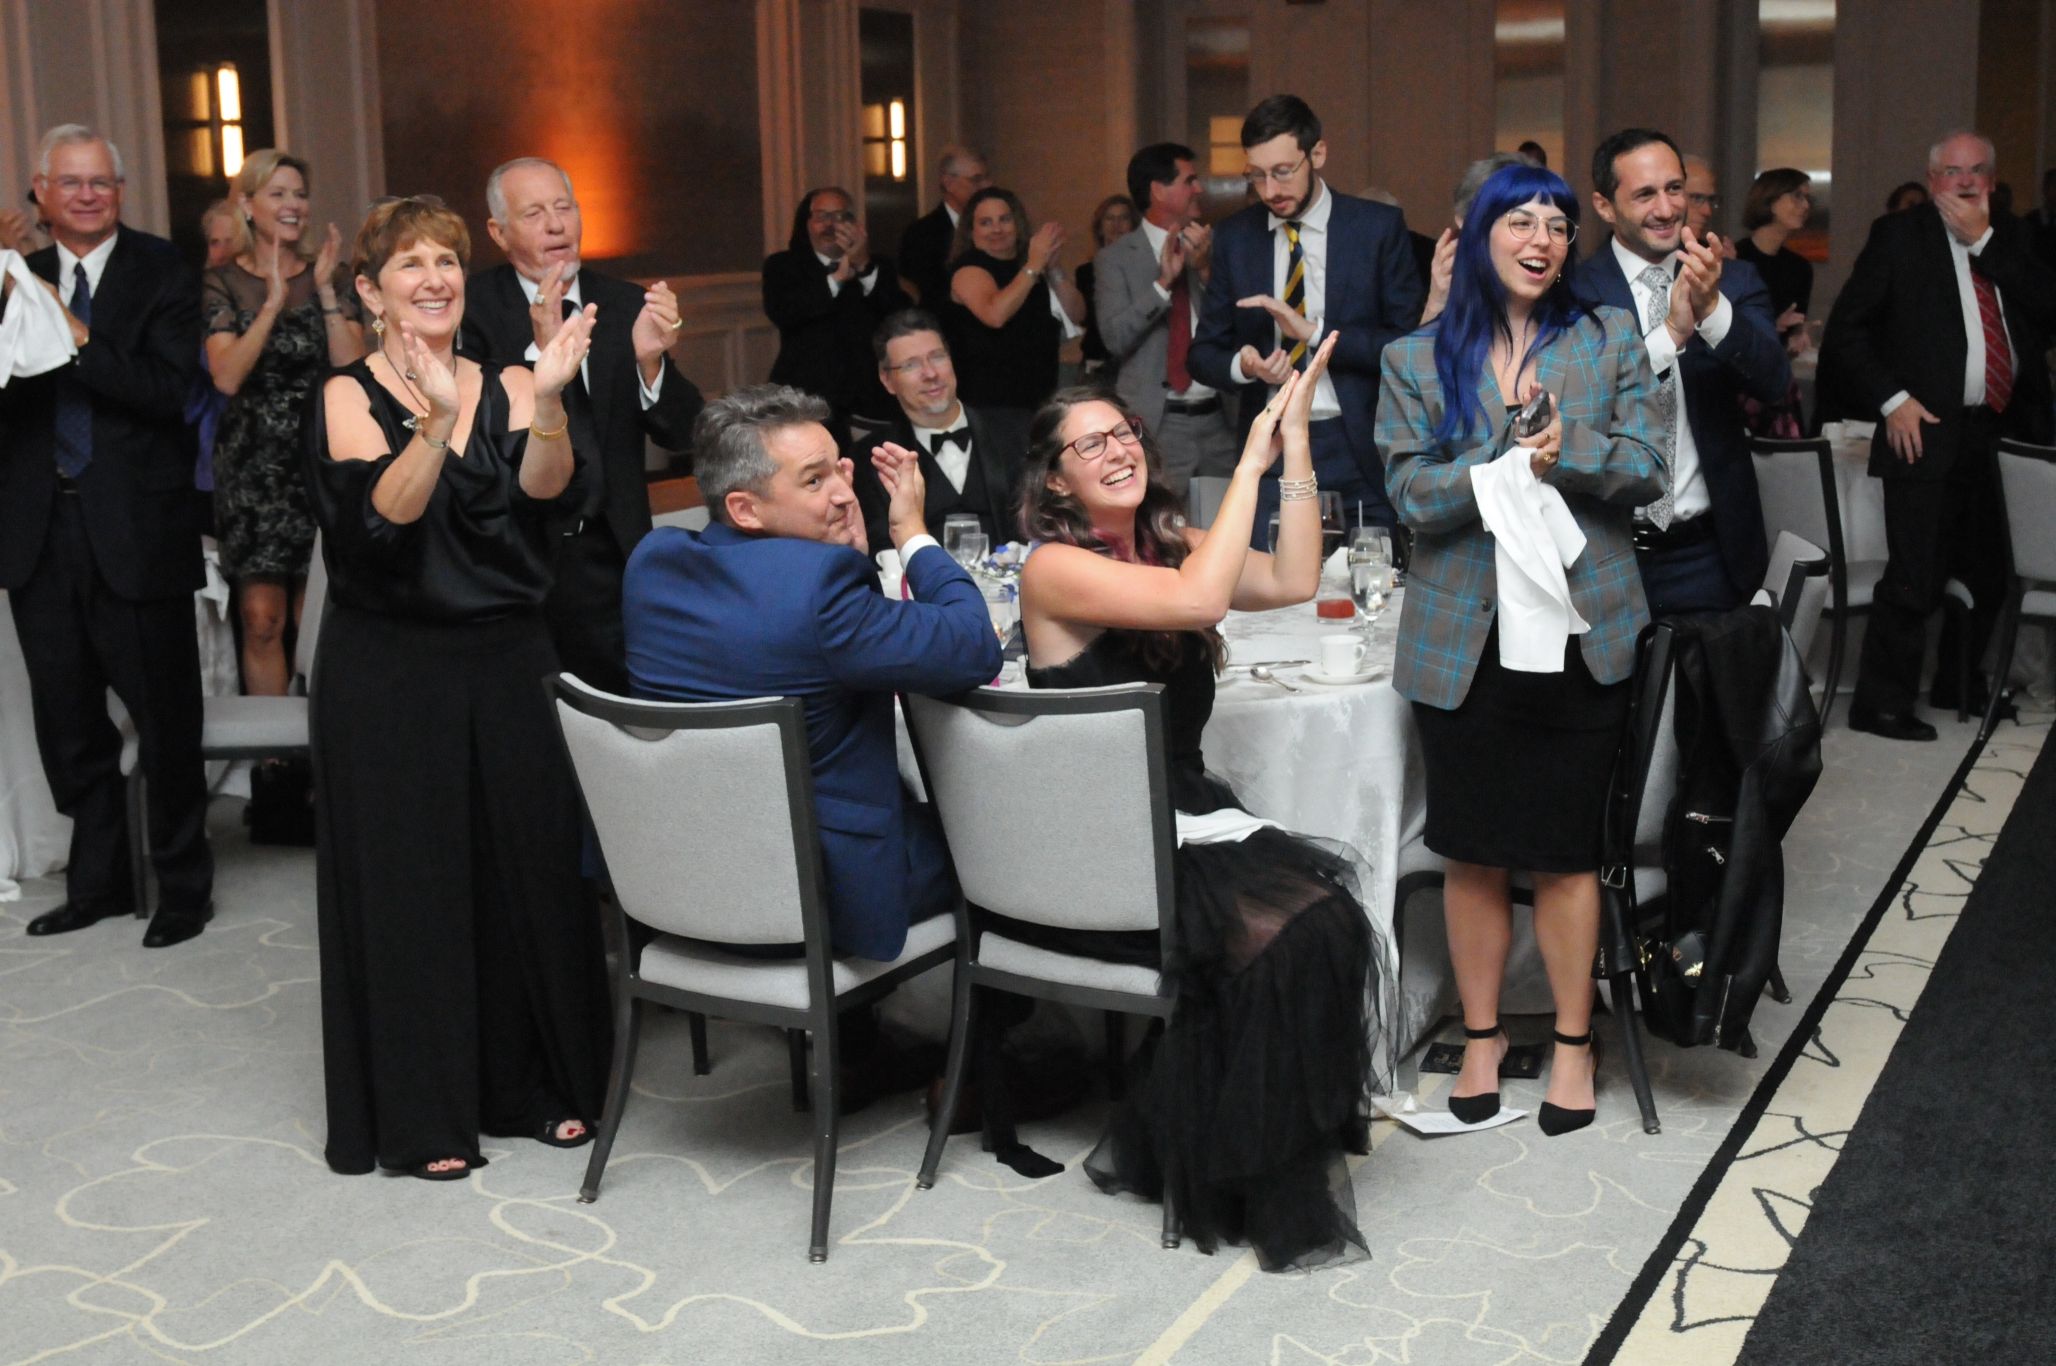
(254, 723)
(688, 966)
(1011, 955)
(2039, 602)
(1863, 585)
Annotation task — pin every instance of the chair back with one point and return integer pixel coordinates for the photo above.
(1203, 497)
(1797, 581)
(1056, 802)
(2027, 481)
(311, 604)
(690, 519)
(1649, 757)
(1795, 482)
(704, 811)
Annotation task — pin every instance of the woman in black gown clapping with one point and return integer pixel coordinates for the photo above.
(1244, 1108)
(461, 979)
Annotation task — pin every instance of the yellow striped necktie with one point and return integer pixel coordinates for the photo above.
(1295, 285)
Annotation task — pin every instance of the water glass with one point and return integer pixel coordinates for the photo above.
(1367, 585)
(954, 528)
(1332, 526)
(972, 546)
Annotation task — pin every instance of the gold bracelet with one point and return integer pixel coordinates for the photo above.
(539, 434)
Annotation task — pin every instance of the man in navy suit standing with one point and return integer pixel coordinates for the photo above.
(1711, 338)
(779, 598)
(1287, 271)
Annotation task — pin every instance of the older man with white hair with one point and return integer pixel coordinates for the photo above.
(99, 552)
(1939, 334)
(627, 390)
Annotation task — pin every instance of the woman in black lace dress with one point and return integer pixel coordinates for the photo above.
(1246, 1105)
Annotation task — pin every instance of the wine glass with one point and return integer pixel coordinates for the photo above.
(972, 544)
(954, 528)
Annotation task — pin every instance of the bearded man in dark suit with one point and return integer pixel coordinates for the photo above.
(627, 392)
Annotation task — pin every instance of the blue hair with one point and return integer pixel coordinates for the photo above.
(1476, 312)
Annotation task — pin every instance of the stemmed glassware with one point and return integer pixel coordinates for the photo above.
(1370, 574)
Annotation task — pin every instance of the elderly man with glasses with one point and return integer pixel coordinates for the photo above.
(1300, 263)
(826, 293)
(970, 457)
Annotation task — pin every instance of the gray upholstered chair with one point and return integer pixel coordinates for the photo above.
(1798, 582)
(1070, 854)
(704, 818)
(1795, 482)
(243, 727)
(1203, 497)
(2027, 482)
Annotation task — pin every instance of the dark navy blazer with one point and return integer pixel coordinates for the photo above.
(720, 615)
(1751, 360)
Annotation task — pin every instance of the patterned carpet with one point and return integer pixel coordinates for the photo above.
(162, 1195)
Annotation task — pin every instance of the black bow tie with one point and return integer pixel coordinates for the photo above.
(569, 309)
(960, 435)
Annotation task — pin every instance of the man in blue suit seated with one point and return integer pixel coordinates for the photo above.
(1707, 324)
(778, 597)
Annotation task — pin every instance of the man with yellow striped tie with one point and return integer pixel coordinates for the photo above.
(1303, 262)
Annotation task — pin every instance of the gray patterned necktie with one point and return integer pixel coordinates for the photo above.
(1657, 281)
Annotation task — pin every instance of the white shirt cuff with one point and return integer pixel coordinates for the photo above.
(1162, 293)
(1979, 245)
(649, 391)
(1715, 328)
(1885, 408)
(913, 545)
(1663, 352)
(1235, 369)
(869, 279)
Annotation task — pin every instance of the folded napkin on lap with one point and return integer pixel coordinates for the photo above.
(1535, 540)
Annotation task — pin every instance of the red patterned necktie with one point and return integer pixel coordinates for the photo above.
(1180, 339)
(1998, 353)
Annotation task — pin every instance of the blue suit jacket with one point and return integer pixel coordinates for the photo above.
(720, 614)
(1374, 295)
(1614, 458)
(1751, 360)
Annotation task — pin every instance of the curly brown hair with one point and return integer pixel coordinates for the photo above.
(393, 225)
(1047, 515)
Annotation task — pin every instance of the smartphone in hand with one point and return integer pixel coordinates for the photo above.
(1534, 415)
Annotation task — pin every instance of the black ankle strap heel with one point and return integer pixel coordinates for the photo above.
(1555, 1120)
(1477, 1109)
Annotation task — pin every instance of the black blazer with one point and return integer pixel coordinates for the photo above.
(138, 368)
(992, 483)
(824, 337)
(1749, 360)
(924, 256)
(608, 425)
(1898, 324)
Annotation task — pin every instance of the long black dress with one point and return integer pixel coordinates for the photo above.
(1247, 1103)
(462, 986)
(1011, 366)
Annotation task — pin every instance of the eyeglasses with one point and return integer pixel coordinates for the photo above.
(1704, 201)
(1276, 175)
(100, 184)
(1947, 172)
(934, 360)
(1521, 226)
(1093, 445)
(832, 216)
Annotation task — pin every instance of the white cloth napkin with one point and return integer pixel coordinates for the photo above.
(34, 336)
(1229, 825)
(1535, 540)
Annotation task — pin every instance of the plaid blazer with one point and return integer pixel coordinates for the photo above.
(1615, 458)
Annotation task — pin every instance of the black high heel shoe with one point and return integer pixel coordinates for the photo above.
(1479, 1108)
(1555, 1120)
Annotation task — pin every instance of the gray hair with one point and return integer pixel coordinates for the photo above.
(496, 197)
(728, 439)
(1474, 177)
(1991, 152)
(954, 157)
(65, 134)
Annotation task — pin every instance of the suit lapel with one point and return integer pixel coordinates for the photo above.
(116, 282)
(1935, 243)
(1608, 285)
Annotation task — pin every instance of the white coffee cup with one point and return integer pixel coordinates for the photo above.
(1342, 656)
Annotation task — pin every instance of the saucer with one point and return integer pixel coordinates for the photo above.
(1339, 680)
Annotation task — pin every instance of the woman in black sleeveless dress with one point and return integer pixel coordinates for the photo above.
(1245, 1107)
(461, 979)
(1003, 328)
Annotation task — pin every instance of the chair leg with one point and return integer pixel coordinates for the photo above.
(1963, 633)
(1838, 634)
(963, 1022)
(1170, 1237)
(825, 1105)
(696, 1024)
(1117, 1054)
(1779, 992)
(2009, 637)
(138, 795)
(627, 1033)
(796, 1052)
(1623, 994)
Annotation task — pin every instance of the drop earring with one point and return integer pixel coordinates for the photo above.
(378, 326)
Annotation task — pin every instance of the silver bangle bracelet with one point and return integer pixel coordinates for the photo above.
(1298, 490)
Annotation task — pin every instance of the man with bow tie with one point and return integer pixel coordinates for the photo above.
(970, 459)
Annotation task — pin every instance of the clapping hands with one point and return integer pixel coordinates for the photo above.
(899, 469)
(557, 364)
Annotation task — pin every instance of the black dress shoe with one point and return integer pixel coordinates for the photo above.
(71, 916)
(1894, 726)
(173, 926)
(1943, 697)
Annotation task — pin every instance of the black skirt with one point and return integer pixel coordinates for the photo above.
(1518, 773)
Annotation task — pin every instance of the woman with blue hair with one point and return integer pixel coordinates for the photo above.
(1519, 739)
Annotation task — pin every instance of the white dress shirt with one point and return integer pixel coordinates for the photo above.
(1973, 326)
(95, 262)
(531, 290)
(954, 459)
(1688, 481)
(1313, 248)
(1157, 236)
(869, 279)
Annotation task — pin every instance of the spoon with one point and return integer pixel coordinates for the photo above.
(1262, 673)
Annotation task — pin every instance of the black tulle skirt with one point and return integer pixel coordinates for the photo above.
(1245, 1106)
